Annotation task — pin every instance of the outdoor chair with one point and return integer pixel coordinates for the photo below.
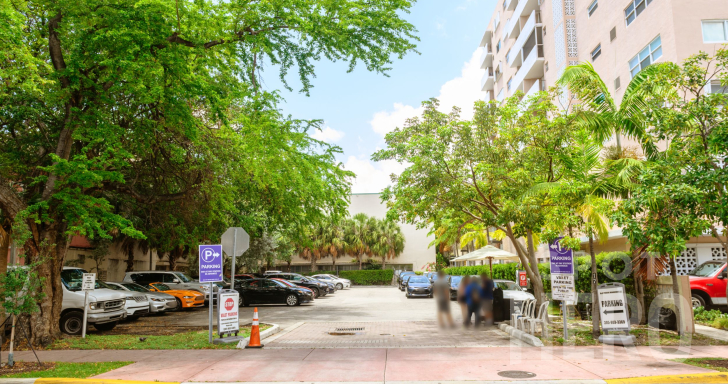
(540, 319)
(515, 316)
(528, 314)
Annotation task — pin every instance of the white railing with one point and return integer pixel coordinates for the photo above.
(528, 27)
(485, 55)
(536, 87)
(534, 58)
(487, 81)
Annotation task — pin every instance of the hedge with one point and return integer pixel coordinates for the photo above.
(615, 260)
(372, 277)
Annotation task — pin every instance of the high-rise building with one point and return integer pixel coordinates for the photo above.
(528, 43)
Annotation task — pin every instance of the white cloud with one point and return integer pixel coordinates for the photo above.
(328, 135)
(461, 91)
(371, 177)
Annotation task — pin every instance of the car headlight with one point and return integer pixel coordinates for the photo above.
(187, 297)
(204, 288)
(93, 305)
(129, 299)
(156, 299)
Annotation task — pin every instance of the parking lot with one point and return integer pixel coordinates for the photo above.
(387, 317)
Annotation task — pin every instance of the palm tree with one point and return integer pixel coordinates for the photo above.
(599, 113)
(333, 240)
(388, 240)
(356, 233)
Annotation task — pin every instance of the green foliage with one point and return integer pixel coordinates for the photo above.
(72, 370)
(21, 287)
(373, 277)
(418, 273)
(703, 315)
(183, 340)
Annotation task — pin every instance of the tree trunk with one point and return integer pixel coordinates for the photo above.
(639, 289)
(289, 266)
(531, 268)
(130, 258)
(536, 281)
(676, 295)
(313, 263)
(11, 358)
(333, 263)
(361, 257)
(384, 261)
(594, 283)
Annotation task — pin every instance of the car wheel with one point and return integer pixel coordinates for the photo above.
(291, 300)
(179, 304)
(72, 323)
(339, 286)
(316, 292)
(698, 301)
(105, 326)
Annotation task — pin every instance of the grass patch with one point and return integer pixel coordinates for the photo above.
(185, 340)
(70, 370)
(714, 363)
(580, 335)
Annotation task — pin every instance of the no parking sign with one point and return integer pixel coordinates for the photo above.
(522, 278)
(227, 313)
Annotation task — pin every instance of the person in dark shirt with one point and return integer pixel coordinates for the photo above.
(487, 299)
(473, 295)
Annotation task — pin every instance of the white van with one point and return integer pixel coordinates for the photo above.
(106, 306)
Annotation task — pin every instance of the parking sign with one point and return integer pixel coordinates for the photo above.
(210, 263)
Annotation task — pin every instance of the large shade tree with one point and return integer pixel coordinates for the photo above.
(93, 90)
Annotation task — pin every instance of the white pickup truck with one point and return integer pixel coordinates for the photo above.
(106, 306)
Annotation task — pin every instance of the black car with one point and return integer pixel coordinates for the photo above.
(268, 291)
(330, 287)
(403, 283)
(318, 288)
(419, 286)
(402, 275)
(454, 285)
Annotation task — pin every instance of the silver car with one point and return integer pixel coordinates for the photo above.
(512, 291)
(338, 282)
(173, 279)
(158, 301)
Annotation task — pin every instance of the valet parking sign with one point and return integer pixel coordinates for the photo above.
(210, 263)
(227, 319)
(562, 272)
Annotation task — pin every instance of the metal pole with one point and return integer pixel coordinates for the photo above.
(210, 323)
(235, 251)
(563, 311)
(85, 314)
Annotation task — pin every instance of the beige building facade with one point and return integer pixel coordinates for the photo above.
(527, 45)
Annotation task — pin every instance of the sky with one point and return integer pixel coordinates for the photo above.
(360, 107)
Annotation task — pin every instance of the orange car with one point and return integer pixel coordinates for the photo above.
(185, 298)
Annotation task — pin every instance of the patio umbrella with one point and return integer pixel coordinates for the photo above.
(491, 253)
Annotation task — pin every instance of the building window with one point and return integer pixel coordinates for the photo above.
(497, 20)
(509, 83)
(617, 84)
(716, 87)
(596, 52)
(593, 7)
(634, 9)
(647, 56)
(715, 31)
(500, 96)
(613, 34)
(498, 47)
(505, 4)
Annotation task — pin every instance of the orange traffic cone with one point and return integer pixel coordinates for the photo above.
(255, 332)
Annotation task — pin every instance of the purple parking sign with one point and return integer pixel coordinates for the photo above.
(562, 259)
(210, 263)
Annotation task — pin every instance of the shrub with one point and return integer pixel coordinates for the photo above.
(319, 273)
(702, 315)
(371, 277)
(721, 323)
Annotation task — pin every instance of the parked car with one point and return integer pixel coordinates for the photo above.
(319, 288)
(418, 286)
(403, 274)
(272, 291)
(403, 283)
(158, 301)
(512, 291)
(173, 279)
(288, 283)
(339, 283)
(272, 272)
(330, 287)
(106, 306)
(137, 304)
(454, 285)
(708, 284)
(185, 298)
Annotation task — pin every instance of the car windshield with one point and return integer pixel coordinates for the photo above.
(419, 279)
(184, 278)
(73, 279)
(455, 279)
(135, 287)
(115, 287)
(161, 287)
(706, 269)
(507, 285)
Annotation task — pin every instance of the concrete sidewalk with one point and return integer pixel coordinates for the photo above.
(380, 365)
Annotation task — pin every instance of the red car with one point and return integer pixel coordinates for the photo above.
(708, 284)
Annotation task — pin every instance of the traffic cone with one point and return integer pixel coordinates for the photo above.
(254, 332)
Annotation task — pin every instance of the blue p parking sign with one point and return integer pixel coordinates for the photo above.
(210, 263)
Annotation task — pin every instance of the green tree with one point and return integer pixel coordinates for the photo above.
(123, 109)
(388, 240)
(20, 287)
(357, 234)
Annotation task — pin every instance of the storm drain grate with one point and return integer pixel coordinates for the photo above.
(349, 329)
(517, 374)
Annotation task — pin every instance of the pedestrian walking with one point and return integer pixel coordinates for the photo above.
(461, 296)
(473, 295)
(487, 298)
(441, 290)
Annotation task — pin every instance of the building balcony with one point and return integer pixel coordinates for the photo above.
(488, 80)
(511, 4)
(531, 32)
(524, 8)
(532, 67)
(486, 40)
(535, 88)
(486, 58)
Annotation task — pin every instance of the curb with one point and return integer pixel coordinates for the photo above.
(718, 377)
(52, 380)
(520, 335)
(267, 333)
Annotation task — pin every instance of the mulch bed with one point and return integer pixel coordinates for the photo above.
(22, 367)
(722, 363)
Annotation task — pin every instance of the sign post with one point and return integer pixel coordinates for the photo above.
(210, 266)
(614, 314)
(88, 284)
(562, 277)
(235, 241)
(227, 312)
